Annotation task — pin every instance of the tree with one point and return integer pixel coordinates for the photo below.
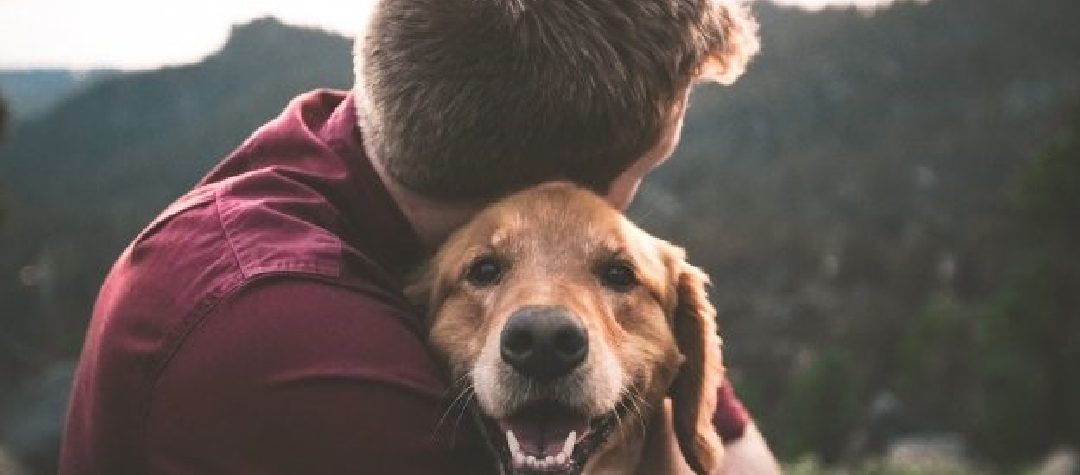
(1030, 336)
(3, 129)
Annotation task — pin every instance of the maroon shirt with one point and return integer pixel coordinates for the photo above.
(257, 326)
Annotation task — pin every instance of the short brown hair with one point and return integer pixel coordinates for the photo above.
(473, 99)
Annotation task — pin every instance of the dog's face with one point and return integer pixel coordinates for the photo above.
(570, 325)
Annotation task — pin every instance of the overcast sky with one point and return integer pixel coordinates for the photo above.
(139, 34)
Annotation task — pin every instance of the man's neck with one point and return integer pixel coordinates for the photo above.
(432, 220)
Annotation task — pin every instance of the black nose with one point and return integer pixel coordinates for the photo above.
(544, 342)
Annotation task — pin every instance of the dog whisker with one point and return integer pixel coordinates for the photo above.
(461, 414)
(466, 390)
(636, 403)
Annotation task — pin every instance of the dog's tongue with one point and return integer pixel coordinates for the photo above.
(542, 430)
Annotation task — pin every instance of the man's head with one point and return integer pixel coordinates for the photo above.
(466, 100)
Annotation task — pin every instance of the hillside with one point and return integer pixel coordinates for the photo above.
(858, 178)
(32, 93)
(853, 195)
(151, 134)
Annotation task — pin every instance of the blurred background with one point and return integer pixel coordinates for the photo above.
(888, 203)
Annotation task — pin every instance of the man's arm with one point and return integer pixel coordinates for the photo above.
(299, 376)
(745, 449)
(749, 455)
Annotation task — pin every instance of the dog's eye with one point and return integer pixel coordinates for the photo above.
(618, 275)
(484, 271)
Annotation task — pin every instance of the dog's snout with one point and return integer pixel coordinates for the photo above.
(544, 342)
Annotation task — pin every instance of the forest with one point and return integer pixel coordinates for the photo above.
(888, 203)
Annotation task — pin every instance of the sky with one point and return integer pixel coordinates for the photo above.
(145, 34)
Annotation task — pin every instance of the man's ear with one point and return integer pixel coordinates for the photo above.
(733, 40)
(693, 393)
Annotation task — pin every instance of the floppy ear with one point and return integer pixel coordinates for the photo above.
(424, 291)
(732, 38)
(693, 393)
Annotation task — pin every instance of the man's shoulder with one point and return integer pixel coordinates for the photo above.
(216, 242)
(272, 224)
(223, 234)
(310, 328)
(213, 240)
(287, 202)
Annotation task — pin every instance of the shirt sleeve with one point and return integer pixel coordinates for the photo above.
(731, 418)
(300, 376)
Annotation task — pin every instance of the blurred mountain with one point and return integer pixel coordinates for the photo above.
(151, 134)
(32, 93)
(855, 189)
(852, 197)
(4, 114)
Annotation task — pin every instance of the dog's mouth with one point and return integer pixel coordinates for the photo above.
(548, 438)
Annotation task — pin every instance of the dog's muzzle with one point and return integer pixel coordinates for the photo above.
(543, 342)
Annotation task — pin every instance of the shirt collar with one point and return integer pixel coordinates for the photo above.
(375, 223)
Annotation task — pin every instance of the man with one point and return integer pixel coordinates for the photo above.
(257, 325)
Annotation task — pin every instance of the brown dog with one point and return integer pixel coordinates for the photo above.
(588, 345)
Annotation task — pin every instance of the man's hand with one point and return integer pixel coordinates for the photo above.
(749, 455)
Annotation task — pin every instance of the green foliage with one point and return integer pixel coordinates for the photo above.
(1049, 196)
(935, 361)
(823, 408)
(811, 466)
(846, 195)
(3, 130)
(1016, 404)
(1002, 369)
(1029, 347)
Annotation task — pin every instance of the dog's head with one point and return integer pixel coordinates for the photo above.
(570, 325)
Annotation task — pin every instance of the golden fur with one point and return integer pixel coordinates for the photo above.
(655, 344)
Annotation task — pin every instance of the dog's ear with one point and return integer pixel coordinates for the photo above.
(732, 36)
(693, 393)
(419, 286)
(423, 290)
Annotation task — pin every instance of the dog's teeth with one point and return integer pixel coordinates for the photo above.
(561, 458)
(568, 446)
(512, 442)
(515, 450)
